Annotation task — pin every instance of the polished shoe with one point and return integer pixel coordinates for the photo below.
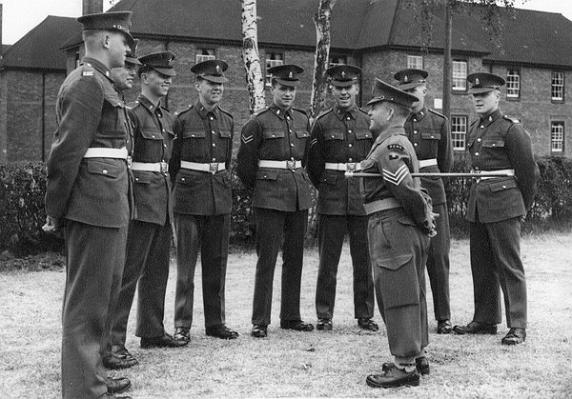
(444, 327)
(119, 358)
(182, 334)
(164, 341)
(221, 331)
(392, 377)
(259, 331)
(366, 323)
(515, 336)
(476, 327)
(324, 325)
(117, 384)
(297, 325)
(422, 365)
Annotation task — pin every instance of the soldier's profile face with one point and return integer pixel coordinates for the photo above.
(419, 92)
(210, 93)
(117, 48)
(157, 83)
(124, 77)
(345, 96)
(283, 96)
(487, 102)
(379, 116)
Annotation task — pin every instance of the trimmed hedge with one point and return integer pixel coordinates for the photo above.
(23, 184)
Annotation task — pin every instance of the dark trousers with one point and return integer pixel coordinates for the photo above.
(147, 268)
(273, 230)
(438, 264)
(398, 251)
(331, 232)
(95, 259)
(209, 235)
(495, 259)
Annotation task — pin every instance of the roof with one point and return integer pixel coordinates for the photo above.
(41, 47)
(529, 37)
(5, 47)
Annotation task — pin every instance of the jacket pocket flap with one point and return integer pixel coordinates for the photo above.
(363, 134)
(103, 168)
(151, 134)
(273, 133)
(224, 133)
(334, 134)
(395, 262)
(190, 134)
(431, 135)
(493, 143)
(267, 174)
(502, 185)
(302, 134)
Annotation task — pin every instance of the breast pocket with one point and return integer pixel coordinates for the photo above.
(151, 134)
(363, 135)
(194, 134)
(334, 134)
(431, 135)
(493, 143)
(271, 134)
(100, 167)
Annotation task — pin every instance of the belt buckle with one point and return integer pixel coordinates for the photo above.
(351, 167)
(164, 167)
(213, 167)
(291, 164)
(129, 161)
(477, 179)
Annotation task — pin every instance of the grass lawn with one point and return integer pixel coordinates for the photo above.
(316, 364)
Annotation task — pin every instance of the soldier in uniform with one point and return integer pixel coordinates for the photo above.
(149, 237)
(340, 141)
(498, 144)
(270, 161)
(400, 225)
(124, 77)
(87, 195)
(430, 134)
(203, 201)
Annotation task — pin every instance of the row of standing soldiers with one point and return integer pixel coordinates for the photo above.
(120, 178)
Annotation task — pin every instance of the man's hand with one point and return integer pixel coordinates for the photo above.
(52, 225)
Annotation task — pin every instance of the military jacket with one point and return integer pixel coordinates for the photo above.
(152, 138)
(338, 136)
(430, 134)
(203, 137)
(89, 113)
(393, 157)
(498, 142)
(276, 135)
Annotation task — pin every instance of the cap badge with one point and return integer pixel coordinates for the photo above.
(343, 74)
(291, 75)
(405, 78)
(217, 69)
(477, 82)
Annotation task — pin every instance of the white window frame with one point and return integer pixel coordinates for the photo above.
(513, 83)
(557, 86)
(414, 61)
(459, 131)
(557, 135)
(342, 57)
(459, 76)
(205, 54)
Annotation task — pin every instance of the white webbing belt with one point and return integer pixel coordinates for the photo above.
(344, 167)
(280, 164)
(150, 166)
(423, 163)
(381, 205)
(500, 172)
(212, 167)
(96, 152)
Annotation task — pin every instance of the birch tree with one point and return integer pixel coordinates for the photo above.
(322, 21)
(250, 56)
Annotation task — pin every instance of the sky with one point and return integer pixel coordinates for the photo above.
(20, 16)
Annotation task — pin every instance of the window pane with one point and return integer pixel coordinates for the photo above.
(415, 61)
(338, 60)
(557, 88)
(459, 75)
(513, 83)
(205, 54)
(557, 136)
(458, 131)
(272, 60)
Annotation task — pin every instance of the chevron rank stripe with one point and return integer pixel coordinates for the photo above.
(247, 140)
(397, 177)
(313, 142)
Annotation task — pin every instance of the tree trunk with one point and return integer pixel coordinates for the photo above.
(322, 21)
(447, 78)
(250, 57)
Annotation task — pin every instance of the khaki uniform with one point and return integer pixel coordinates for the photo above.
(398, 213)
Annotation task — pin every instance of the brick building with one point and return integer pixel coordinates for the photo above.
(380, 36)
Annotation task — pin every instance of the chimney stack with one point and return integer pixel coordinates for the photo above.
(92, 6)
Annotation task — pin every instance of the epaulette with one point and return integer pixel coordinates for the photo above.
(513, 120)
(177, 113)
(474, 122)
(437, 113)
(224, 111)
(324, 113)
(300, 110)
(87, 70)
